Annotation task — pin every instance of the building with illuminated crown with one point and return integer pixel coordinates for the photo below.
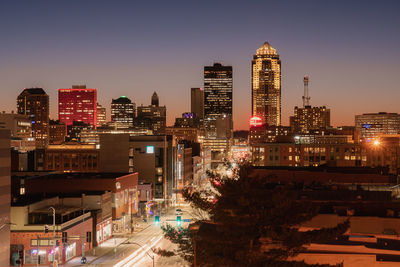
(266, 85)
(77, 104)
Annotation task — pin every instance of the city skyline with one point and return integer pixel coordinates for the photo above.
(338, 54)
(181, 133)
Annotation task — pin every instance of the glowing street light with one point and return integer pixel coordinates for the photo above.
(377, 143)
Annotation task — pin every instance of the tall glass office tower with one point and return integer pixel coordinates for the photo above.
(217, 94)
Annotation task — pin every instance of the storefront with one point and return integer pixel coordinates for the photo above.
(70, 251)
(122, 224)
(41, 256)
(104, 231)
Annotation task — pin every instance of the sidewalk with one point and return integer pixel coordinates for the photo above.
(105, 247)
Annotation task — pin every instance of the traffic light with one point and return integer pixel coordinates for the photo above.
(157, 220)
(46, 228)
(178, 220)
(57, 243)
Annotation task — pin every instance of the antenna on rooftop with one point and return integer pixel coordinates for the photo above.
(306, 97)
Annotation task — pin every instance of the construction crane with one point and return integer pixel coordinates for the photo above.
(306, 97)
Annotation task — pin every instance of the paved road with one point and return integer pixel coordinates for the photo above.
(129, 253)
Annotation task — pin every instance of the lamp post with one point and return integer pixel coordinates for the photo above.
(83, 259)
(54, 233)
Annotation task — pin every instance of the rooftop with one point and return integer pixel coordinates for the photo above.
(35, 91)
(76, 175)
(121, 100)
(266, 49)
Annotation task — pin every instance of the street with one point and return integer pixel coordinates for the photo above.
(136, 249)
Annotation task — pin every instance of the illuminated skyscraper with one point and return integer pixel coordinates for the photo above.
(34, 102)
(101, 115)
(266, 85)
(152, 117)
(217, 94)
(309, 119)
(197, 102)
(123, 112)
(77, 104)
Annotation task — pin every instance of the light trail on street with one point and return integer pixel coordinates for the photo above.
(139, 254)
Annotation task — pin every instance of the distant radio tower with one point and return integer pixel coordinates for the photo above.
(306, 98)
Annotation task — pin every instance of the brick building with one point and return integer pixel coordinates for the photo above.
(37, 247)
(122, 186)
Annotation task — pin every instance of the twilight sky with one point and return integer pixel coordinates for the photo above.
(350, 50)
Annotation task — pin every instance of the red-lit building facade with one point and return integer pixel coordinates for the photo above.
(77, 104)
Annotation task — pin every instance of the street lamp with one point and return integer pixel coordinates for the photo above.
(386, 148)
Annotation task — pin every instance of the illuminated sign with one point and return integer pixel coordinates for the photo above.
(366, 126)
(149, 149)
(24, 124)
(255, 121)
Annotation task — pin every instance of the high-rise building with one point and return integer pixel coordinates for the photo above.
(35, 103)
(57, 132)
(197, 102)
(310, 119)
(218, 112)
(77, 104)
(370, 125)
(122, 112)
(217, 94)
(266, 85)
(152, 117)
(5, 197)
(101, 115)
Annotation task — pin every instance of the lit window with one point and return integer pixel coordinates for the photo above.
(149, 149)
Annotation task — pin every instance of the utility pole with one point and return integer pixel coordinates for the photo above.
(37, 254)
(54, 232)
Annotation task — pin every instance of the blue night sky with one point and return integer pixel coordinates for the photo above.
(350, 50)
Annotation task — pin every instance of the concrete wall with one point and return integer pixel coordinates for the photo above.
(114, 153)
